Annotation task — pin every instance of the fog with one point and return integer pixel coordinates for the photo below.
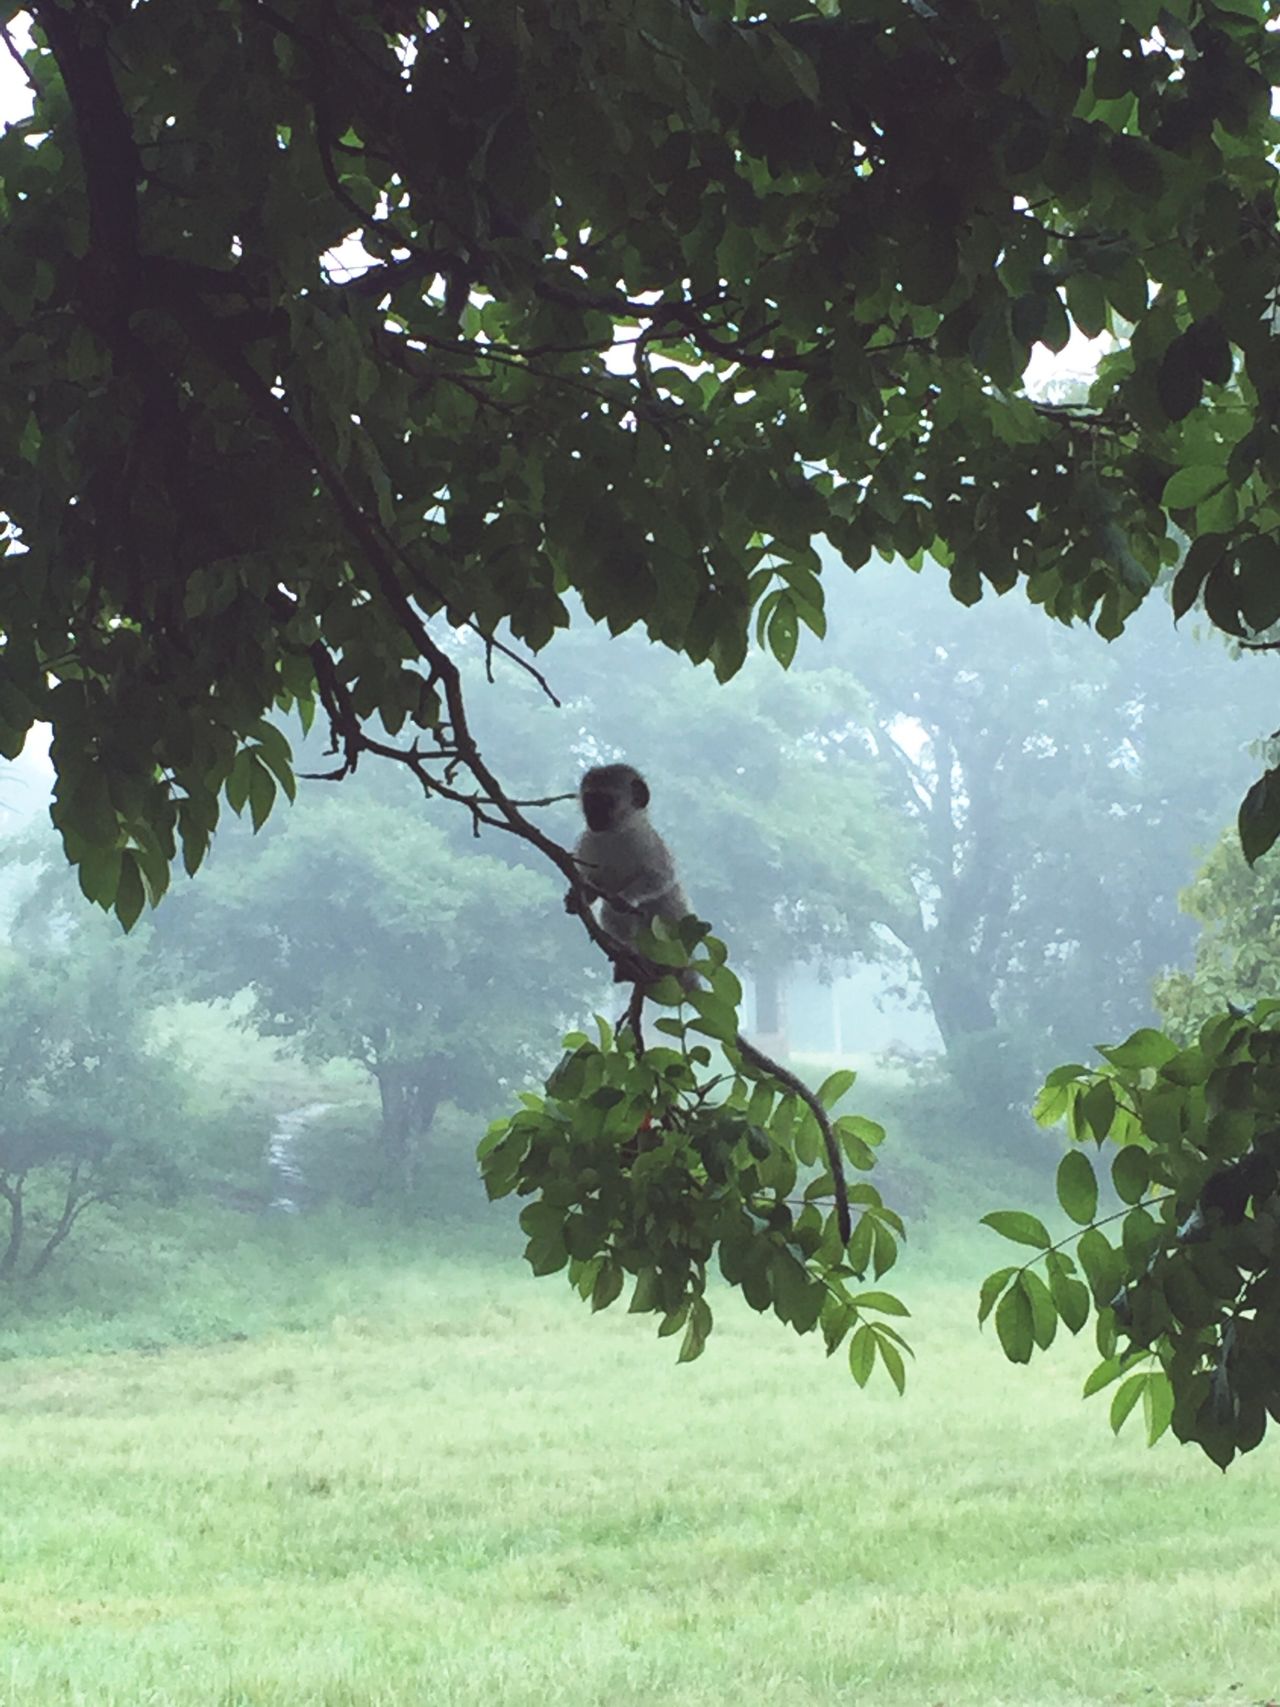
(269, 1343)
(946, 848)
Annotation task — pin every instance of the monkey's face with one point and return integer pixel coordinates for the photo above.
(611, 794)
(601, 808)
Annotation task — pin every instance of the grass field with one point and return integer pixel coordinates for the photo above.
(445, 1483)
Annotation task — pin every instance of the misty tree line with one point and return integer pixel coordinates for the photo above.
(998, 812)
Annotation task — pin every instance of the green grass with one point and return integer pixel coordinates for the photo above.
(448, 1484)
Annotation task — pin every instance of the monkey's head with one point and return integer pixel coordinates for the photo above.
(611, 794)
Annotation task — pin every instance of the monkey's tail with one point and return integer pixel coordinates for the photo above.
(835, 1161)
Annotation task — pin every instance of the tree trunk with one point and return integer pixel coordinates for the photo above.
(76, 1200)
(961, 1007)
(12, 1195)
(409, 1102)
(770, 1030)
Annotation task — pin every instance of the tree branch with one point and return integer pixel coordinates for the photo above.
(12, 49)
(108, 154)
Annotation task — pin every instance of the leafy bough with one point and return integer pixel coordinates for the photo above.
(1187, 1298)
(646, 1164)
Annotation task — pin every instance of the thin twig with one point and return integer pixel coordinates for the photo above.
(15, 53)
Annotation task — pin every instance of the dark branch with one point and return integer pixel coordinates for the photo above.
(108, 154)
(11, 47)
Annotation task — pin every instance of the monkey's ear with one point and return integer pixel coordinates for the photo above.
(639, 793)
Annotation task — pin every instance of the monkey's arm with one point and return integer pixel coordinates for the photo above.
(642, 891)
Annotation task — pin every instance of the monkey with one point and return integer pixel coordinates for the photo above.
(629, 869)
(623, 859)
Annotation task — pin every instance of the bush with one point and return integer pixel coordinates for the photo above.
(340, 1157)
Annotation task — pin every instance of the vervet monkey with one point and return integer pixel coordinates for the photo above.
(622, 858)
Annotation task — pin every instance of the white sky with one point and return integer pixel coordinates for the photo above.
(15, 96)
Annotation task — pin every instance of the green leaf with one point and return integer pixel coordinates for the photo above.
(1128, 290)
(992, 1287)
(608, 1285)
(1157, 1404)
(237, 788)
(1258, 583)
(1055, 334)
(1210, 350)
(1071, 1299)
(892, 1359)
(858, 1137)
(1088, 303)
(1146, 1048)
(1102, 1265)
(885, 1302)
(276, 755)
(1191, 486)
(699, 1327)
(1044, 1314)
(1098, 1107)
(673, 1320)
(1219, 512)
(799, 65)
(99, 874)
(1102, 1375)
(784, 631)
(1206, 553)
(130, 891)
(862, 1355)
(1259, 819)
(807, 1139)
(797, 1296)
(646, 1294)
(1131, 1173)
(1015, 1325)
(859, 1249)
(1140, 1234)
(837, 1319)
(884, 1250)
(262, 792)
(1126, 1397)
(1077, 1187)
(1018, 1225)
(1067, 1074)
(835, 1086)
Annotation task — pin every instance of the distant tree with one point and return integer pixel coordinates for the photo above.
(1237, 953)
(792, 856)
(90, 1112)
(1061, 799)
(363, 933)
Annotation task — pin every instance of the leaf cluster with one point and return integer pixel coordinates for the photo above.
(1182, 1277)
(644, 1165)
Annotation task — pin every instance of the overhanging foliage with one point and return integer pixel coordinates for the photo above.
(655, 294)
(330, 326)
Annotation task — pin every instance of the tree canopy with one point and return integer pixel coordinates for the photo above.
(324, 323)
(333, 329)
(90, 1105)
